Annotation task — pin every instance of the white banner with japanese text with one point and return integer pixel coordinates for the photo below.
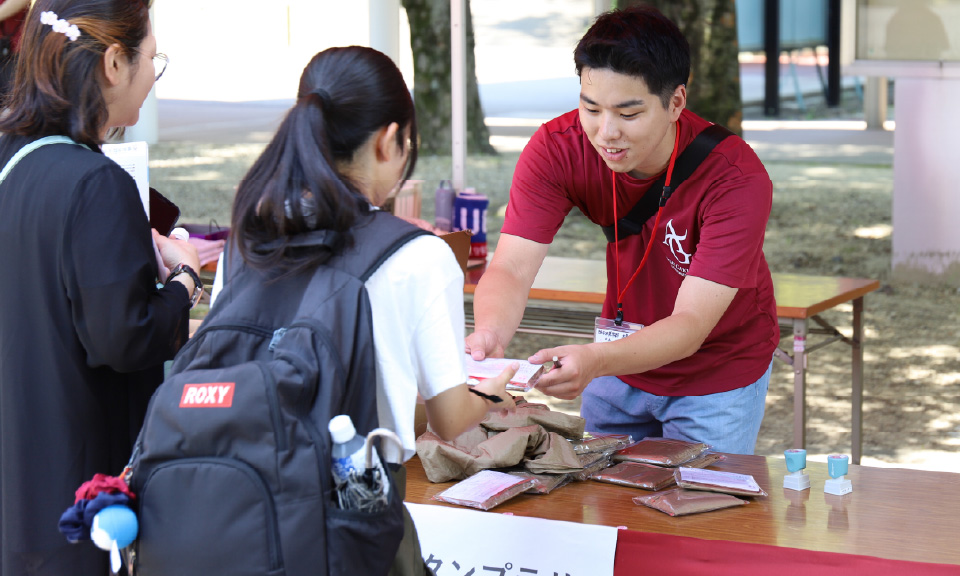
(462, 542)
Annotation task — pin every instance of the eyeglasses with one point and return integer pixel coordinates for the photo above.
(160, 62)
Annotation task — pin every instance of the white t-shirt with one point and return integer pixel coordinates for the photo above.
(416, 297)
(416, 300)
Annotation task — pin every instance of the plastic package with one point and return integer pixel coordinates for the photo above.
(678, 502)
(485, 489)
(545, 483)
(716, 481)
(661, 452)
(707, 459)
(598, 442)
(592, 464)
(637, 475)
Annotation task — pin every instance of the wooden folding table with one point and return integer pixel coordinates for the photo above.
(567, 293)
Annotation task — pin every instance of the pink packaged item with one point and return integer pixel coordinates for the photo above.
(485, 489)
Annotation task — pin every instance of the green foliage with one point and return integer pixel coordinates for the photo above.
(710, 27)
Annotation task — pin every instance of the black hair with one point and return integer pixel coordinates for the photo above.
(637, 41)
(346, 94)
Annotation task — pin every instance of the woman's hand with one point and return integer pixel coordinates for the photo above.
(497, 386)
(457, 409)
(174, 251)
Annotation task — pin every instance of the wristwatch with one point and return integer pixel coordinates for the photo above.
(182, 268)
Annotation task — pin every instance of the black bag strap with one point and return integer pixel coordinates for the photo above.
(389, 232)
(687, 162)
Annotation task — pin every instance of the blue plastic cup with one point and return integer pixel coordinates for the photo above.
(837, 465)
(796, 459)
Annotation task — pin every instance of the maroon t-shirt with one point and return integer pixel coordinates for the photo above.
(712, 228)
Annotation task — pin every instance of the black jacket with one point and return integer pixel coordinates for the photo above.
(84, 332)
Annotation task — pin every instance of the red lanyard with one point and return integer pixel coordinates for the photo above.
(656, 224)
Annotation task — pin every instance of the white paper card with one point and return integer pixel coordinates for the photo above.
(526, 377)
(456, 542)
(133, 157)
(717, 478)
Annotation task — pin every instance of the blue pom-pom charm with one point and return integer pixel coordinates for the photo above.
(114, 524)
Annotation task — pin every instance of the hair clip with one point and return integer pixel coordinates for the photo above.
(59, 25)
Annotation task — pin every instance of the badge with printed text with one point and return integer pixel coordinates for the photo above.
(606, 330)
(214, 395)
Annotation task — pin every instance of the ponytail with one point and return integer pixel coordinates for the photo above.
(294, 187)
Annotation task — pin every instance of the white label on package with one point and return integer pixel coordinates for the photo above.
(606, 330)
(716, 478)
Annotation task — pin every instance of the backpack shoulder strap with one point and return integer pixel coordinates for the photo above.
(21, 153)
(687, 163)
(375, 240)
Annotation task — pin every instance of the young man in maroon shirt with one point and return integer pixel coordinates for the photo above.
(700, 366)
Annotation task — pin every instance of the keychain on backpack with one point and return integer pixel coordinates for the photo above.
(101, 513)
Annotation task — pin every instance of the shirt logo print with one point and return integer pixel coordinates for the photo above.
(673, 240)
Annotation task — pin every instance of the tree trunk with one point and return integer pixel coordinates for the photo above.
(430, 42)
(710, 27)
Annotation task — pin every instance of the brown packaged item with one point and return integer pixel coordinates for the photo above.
(545, 483)
(592, 464)
(637, 475)
(679, 502)
(661, 452)
(707, 459)
(597, 442)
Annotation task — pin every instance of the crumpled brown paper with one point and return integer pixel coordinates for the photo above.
(529, 414)
(474, 450)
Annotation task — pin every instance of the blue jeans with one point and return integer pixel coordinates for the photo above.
(727, 421)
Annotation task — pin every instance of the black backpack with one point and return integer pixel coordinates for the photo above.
(232, 467)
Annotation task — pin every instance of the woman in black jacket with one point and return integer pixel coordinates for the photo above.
(84, 327)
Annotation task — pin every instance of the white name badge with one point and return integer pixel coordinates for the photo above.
(606, 330)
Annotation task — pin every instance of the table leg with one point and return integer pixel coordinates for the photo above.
(799, 383)
(856, 397)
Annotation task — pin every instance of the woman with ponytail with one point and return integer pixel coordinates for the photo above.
(347, 144)
(84, 327)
